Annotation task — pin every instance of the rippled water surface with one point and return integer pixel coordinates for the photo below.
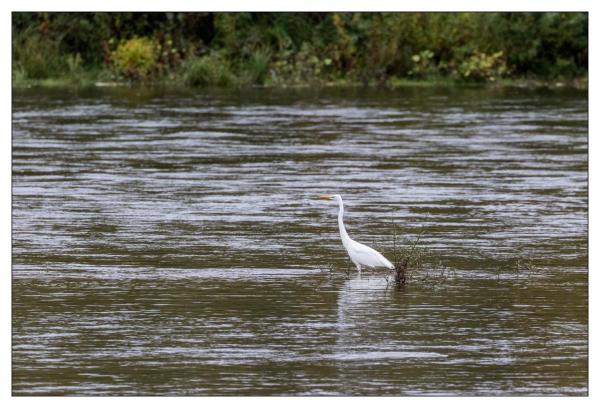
(170, 242)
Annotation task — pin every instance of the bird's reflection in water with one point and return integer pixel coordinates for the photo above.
(369, 331)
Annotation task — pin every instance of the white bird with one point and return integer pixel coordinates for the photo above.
(361, 255)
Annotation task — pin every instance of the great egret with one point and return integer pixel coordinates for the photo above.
(361, 255)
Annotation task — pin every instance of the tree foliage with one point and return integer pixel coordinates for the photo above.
(305, 47)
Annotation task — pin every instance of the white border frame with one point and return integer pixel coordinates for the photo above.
(590, 6)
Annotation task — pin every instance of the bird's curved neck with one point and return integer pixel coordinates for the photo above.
(343, 233)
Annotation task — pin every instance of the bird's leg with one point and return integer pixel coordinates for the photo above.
(359, 269)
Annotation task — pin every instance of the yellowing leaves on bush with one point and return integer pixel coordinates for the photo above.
(135, 58)
(483, 67)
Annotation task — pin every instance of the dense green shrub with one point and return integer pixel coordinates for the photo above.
(424, 65)
(212, 69)
(135, 58)
(258, 66)
(483, 67)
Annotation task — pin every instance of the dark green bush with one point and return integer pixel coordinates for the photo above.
(258, 66)
(37, 56)
(209, 70)
(423, 65)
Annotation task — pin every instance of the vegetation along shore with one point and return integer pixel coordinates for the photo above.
(299, 49)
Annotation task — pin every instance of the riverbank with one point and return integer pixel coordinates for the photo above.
(91, 81)
(290, 50)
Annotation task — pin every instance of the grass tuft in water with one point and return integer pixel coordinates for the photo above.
(523, 266)
(413, 262)
(407, 256)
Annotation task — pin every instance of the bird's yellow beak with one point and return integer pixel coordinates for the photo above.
(325, 197)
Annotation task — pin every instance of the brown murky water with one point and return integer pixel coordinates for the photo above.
(170, 243)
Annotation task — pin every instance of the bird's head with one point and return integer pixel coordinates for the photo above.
(331, 197)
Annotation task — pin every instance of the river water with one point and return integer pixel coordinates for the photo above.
(170, 243)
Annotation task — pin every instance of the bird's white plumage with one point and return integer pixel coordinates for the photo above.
(360, 254)
(366, 256)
